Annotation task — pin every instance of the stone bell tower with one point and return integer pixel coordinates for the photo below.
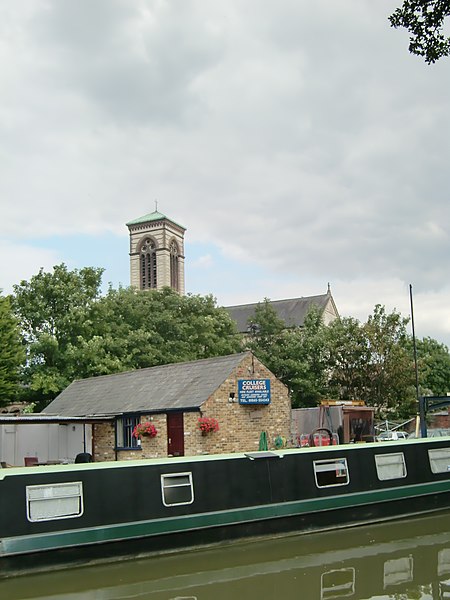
(156, 253)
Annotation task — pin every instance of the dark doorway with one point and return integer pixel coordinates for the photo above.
(175, 434)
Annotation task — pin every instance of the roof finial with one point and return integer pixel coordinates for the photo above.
(329, 289)
(156, 205)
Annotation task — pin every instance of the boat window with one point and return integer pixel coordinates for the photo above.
(439, 460)
(331, 472)
(390, 466)
(54, 501)
(177, 489)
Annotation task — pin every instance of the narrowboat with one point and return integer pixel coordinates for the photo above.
(85, 512)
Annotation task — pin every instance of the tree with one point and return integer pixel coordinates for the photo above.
(146, 328)
(72, 332)
(297, 356)
(12, 353)
(349, 360)
(349, 354)
(424, 19)
(265, 329)
(52, 309)
(311, 382)
(52, 312)
(49, 302)
(433, 361)
(389, 371)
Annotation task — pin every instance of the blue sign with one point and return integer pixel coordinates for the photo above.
(254, 391)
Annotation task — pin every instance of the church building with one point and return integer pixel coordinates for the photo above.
(157, 261)
(156, 253)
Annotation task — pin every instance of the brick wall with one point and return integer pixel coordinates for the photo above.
(103, 441)
(439, 420)
(150, 447)
(240, 426)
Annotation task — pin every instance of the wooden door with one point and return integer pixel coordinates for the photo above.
(175, 434)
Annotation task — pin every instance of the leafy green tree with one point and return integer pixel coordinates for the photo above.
(373, 362)
(12, 353)
(389, 372)
(345, 360)
(424, 20)
(136, 329)
(52, 312)
(264, 331)
(72, 332)
(349, 354)
(433, 361)
(297, 356)
(311, 384)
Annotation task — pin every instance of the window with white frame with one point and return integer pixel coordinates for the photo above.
(439, 460)
(177, 489)
(331, 472)
(124, 432)
(54, 501)
(390, 466)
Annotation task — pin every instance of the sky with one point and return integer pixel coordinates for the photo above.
(298, 142)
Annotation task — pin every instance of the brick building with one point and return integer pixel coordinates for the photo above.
(238, 391)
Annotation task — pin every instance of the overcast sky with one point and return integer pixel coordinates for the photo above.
(298, 142)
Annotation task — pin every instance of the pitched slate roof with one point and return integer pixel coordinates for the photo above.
(178, 386)
(292, 312)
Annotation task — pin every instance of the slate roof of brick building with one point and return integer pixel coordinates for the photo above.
(178, 386)
(292, 312)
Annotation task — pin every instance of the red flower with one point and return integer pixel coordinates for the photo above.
(145, 429)
(208, 424)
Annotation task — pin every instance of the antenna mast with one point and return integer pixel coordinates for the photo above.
(423, 426)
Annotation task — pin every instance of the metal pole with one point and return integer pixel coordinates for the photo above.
(423, 416)
(423, 425)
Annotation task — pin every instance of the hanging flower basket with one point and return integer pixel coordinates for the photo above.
(146, 429)
(208, 425)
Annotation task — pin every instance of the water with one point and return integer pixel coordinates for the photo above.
(407, 559)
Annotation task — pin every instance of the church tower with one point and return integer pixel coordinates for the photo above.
(156, 253)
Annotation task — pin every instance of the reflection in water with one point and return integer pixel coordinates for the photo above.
(404, 559)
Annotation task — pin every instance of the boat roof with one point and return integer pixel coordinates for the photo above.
(184, 460)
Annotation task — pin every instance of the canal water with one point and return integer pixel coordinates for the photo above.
(402, 560)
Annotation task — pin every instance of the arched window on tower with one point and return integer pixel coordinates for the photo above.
(148, 264)
(174, 266)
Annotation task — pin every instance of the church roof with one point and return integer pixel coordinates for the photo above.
(153, 216)
(177, 386)
(292, 312)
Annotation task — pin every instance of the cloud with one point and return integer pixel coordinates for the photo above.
(298, 140)
(203, 262)
(21, 261)
(135, 62)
